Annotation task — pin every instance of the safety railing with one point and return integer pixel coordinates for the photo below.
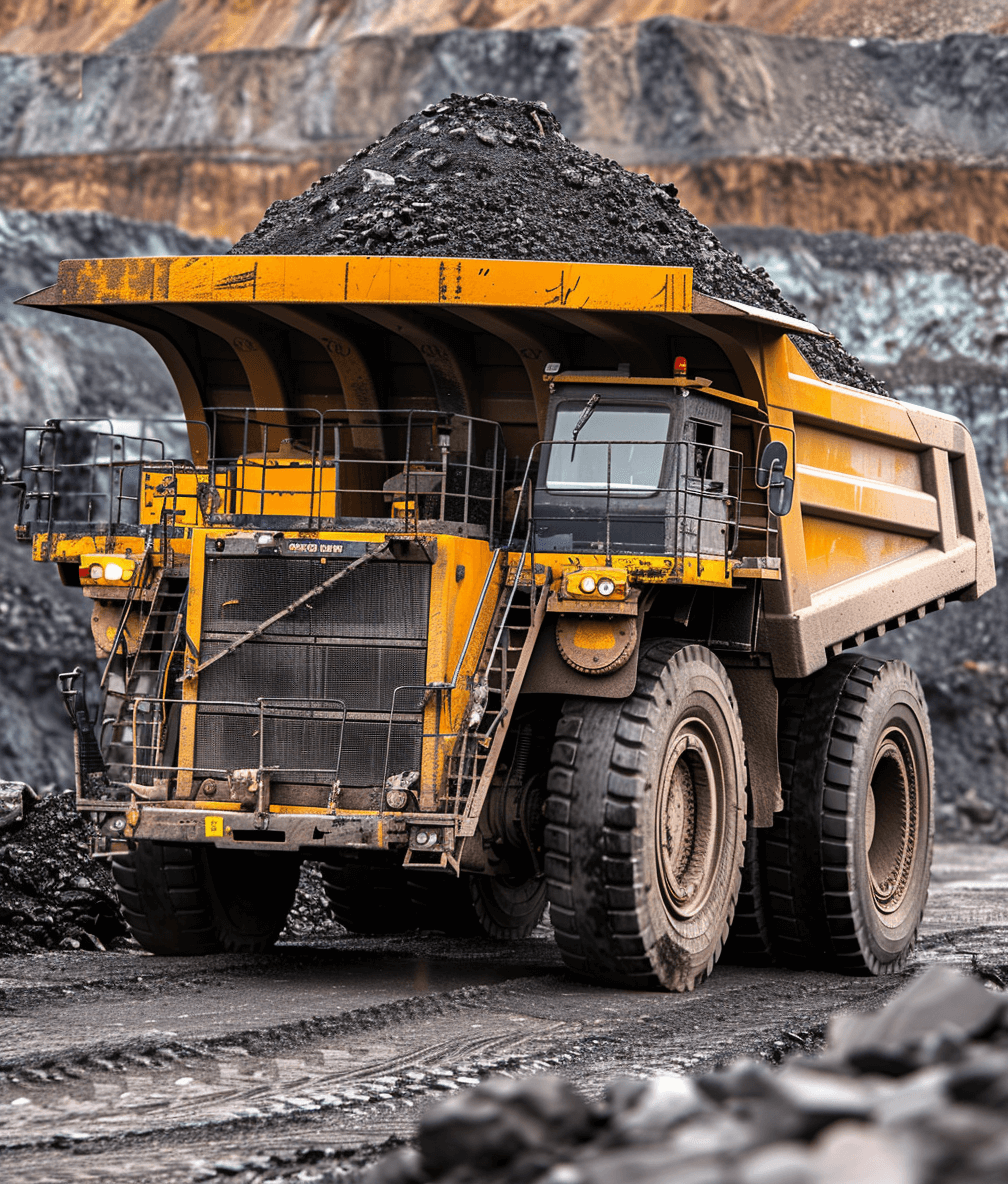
(307, 466)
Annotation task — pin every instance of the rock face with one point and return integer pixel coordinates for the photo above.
(497, 178)
(191, 26)
(913, 1092)
(60, 367)
(207, 140)
(55, 366)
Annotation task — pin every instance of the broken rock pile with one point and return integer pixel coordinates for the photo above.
(915, 1092)
(52, 895)
(496, 178)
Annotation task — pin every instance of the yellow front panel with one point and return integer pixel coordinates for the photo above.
(453, 602)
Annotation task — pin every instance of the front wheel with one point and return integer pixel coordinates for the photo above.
(646, 824)
(182, 899)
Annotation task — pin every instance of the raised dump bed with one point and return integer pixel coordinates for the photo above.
(487, 582)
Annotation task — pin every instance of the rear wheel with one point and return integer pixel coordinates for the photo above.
(508, 907)
(750, 940)
(180, 899)
(646, 824)
(849, 859)
(368, 893)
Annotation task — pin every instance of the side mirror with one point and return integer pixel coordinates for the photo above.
(771, 475)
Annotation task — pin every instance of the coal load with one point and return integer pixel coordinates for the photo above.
(52, 894)
(917, 1091)
(495, 178)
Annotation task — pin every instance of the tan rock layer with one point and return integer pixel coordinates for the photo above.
(213, 26)
(226, 197)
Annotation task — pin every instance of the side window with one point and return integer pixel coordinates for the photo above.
(702, 436)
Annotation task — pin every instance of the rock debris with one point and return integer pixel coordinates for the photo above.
(913, 1092)
(52, 894)
(516, 188)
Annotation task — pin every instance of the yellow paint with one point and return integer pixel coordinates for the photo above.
(618, 575)
(183, 502)
(856, 499)
(322, 812)
(838, 551)
(214, 827)
(590, 633)
(358, 279)
(828, 448)
(452, 605)
(622, 380)
(638, 569)
(190, 684)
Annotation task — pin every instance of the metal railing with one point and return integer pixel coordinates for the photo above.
(315, 467)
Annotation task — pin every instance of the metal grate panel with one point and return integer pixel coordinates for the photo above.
(363, 676)
(355, 648)
(380, 599)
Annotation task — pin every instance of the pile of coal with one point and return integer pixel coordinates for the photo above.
(496, 178)
(311, 919)
(917, 1091)
(52, 894)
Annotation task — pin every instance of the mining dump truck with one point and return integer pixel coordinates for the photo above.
(490, 583)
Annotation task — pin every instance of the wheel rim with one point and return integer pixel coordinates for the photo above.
(891, 820)
(688, 822)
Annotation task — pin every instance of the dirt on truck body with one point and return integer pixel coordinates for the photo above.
(487, 582)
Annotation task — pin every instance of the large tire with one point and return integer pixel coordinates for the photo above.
(646, 824)
(507, 908)
(750, 942)
(442, 903)
(369, 893)
(848, 861)
(180, 899)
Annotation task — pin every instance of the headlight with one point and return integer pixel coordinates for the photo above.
(588, 584)
(96, 572)
(113, 571)
(606, 587)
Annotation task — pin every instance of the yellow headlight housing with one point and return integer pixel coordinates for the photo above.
(596, 583)
(106, 569)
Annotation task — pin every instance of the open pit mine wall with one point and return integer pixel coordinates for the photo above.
(877, 136)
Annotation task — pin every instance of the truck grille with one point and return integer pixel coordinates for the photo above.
(355, 643)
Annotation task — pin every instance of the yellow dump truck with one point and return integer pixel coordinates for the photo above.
(487, 583)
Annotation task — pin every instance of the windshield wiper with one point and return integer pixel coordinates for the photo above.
(582, 420)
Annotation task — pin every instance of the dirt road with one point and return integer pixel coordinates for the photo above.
(141, 1068)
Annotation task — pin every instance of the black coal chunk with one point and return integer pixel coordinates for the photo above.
(496, 178)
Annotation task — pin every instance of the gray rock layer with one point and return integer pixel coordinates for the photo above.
(658, 90)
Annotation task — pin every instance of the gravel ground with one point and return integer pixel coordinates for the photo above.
(496, 178)
(307, 1062)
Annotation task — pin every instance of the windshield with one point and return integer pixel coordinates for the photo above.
(636, 466)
